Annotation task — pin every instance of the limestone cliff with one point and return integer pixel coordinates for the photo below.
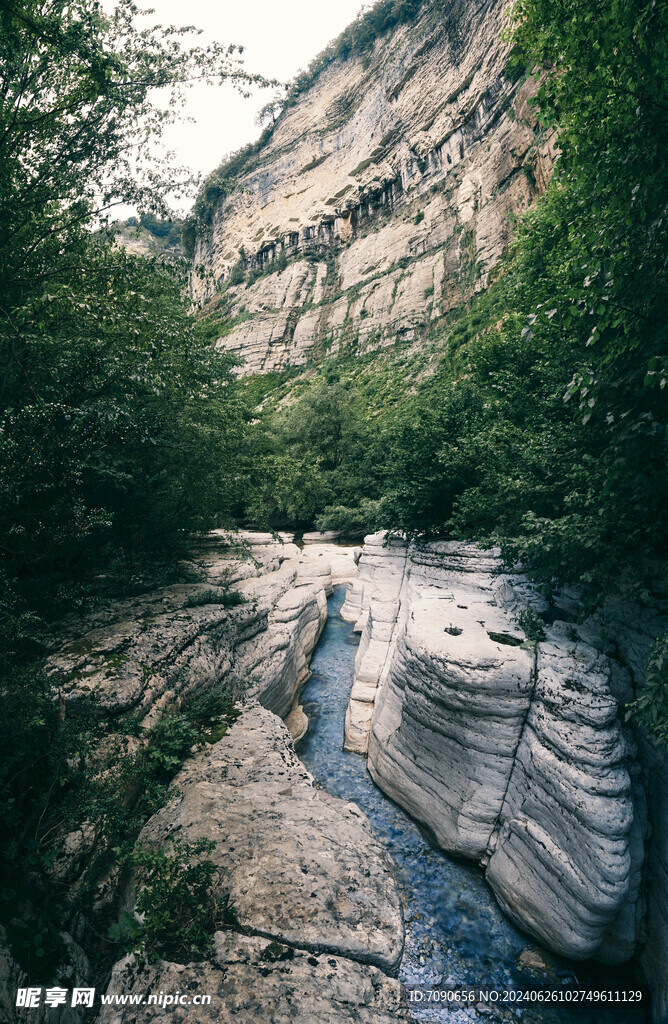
(382, 198)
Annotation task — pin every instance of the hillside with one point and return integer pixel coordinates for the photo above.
(149, 236)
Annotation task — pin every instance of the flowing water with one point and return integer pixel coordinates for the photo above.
(456, 935)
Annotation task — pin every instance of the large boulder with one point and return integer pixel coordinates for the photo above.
(317, 920)
(448, 720)
(297, 865)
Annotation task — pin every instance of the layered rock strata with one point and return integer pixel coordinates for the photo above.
(382, 198)
(508, 752)
(381, 571)
(141, 654)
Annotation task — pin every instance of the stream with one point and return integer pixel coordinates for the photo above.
(456, 935)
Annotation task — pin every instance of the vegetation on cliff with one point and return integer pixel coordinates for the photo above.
(544, 426)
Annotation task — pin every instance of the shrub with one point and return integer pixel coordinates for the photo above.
(237, 274)
(179, 901)
(351, 522)
(650, 710)
(532, 625)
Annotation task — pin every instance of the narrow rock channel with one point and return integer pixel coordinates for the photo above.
(455, 932)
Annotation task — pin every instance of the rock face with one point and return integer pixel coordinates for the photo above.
(297, 865)
(251, 979)
(381, 571)
(145, 652)
(562, 856)
(381, 200)
(508, 752)
(317, 911)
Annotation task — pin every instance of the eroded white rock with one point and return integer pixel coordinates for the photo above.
(507, 753)
(147, 652)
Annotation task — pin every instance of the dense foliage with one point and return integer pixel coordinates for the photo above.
(650, 709)
(544, 426)
(120, 425)
(118, 421)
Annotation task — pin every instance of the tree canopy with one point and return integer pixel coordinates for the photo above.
(115, 411)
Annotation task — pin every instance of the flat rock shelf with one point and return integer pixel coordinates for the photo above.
(456, 934)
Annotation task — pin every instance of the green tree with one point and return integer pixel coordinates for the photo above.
(316, 454)
(119, 425)
(123, 424)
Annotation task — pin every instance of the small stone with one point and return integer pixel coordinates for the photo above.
(531, 960)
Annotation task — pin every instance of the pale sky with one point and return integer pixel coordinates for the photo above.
(279, 38)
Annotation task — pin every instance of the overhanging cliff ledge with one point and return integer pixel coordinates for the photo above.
(382, 198)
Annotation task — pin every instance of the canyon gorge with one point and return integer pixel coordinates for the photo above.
(425, 775)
